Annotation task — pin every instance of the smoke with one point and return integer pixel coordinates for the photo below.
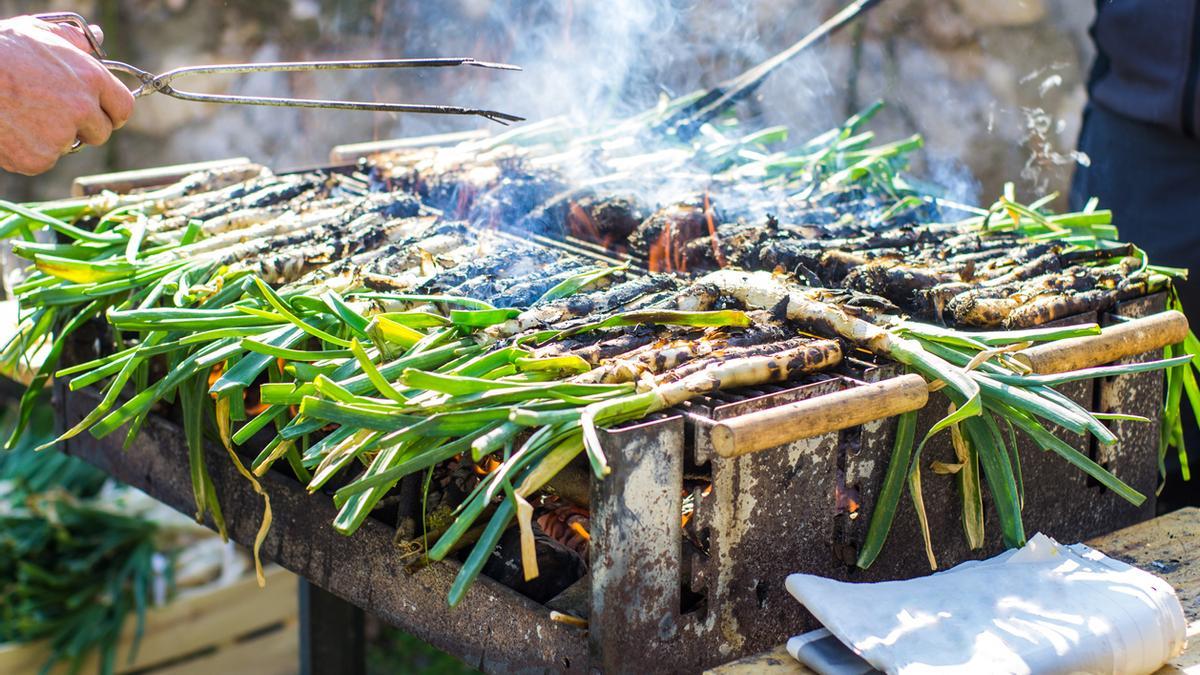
(953, 177)
(598, 61)
(588, 60)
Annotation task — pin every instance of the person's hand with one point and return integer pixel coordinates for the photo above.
(53, 91)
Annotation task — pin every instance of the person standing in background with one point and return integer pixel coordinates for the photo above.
(1141, 133)
(1140, 128)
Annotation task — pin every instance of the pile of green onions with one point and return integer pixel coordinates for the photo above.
(408, 382)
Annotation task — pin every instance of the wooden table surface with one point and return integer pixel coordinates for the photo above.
(1167, 546)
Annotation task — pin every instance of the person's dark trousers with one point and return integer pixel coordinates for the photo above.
(1149, 178)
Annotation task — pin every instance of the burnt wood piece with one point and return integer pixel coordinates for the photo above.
(1115, 342)
(833, 412)
(494, 629)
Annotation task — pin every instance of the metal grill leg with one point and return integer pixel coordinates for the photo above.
(332, 636)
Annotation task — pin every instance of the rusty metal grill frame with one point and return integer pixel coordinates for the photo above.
(655, 600)
(762, 527)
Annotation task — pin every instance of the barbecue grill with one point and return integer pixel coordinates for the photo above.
(662, 592)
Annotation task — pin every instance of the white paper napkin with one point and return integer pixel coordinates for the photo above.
(1043, 608)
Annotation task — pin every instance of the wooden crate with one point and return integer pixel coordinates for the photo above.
(235, 629)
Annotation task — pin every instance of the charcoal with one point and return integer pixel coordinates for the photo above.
(393, 204)
(508, 202)
(526, 291)
(613, 218)
(558, 566)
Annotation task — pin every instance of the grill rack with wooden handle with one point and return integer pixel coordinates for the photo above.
(810, 417)
(1113, 343)
(784, 424)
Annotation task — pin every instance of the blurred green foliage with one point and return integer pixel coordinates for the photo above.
(72, 568)
(394, 651)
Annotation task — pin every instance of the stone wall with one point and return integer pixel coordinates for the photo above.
(995, 87)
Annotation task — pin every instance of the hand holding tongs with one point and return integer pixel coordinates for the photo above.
(150, 83)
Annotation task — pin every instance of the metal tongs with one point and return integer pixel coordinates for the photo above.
(151, 83)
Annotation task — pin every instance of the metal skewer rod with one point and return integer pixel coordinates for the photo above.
(687, 121)
(495, 116)
(300, 66)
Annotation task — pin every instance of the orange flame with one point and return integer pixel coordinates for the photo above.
(712, 233)
(668, 242)
(215, 374)
(578, 529)
(257, 408)
(656, 256)
(581, 224)
(488, 465)
(845, 498)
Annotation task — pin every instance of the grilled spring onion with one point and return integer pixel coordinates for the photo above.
(424, 418)
(559, 424)
(473, 399)
(482, 399)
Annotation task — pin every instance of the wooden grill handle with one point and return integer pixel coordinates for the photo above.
(1116, 342)
(818, 415)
